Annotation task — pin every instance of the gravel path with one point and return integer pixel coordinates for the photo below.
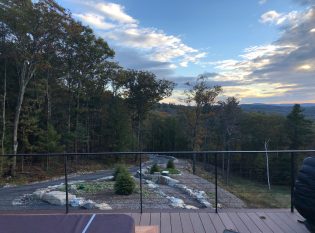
(22, 194)
(225, 198)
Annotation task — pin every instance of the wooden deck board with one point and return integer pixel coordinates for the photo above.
(186, 223)
(196, 222)
(207, 223)
(241, 227)
(273, 226)
(166, 223)
(218, 225)
(145, 219)
(176, 223)
(280, 222)
(242, 221)
(259, 223)
(294, 222)
(227, 222)
(248, 222)
(156, 220)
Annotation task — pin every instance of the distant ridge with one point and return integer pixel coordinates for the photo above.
(281, 109)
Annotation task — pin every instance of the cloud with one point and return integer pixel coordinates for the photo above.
(282, 70)
(261, 2)
(94, 20)
(115, 12)
(122, 30)
(305, 2)
(132, 59)
(274, 17)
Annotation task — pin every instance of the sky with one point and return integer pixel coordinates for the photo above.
(260, 51)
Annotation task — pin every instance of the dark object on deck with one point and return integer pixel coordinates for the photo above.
(69, 223)
(229, 231)
(304, 192)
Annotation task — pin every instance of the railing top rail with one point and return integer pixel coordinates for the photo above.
(165, 152)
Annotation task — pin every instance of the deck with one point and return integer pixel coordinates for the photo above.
(243, 221)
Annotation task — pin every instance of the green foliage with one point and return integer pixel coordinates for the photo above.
(50, 140)
(124, 184)
(172, 171)
(299, 129)
(155, 168)
(94, 187)
(170, 164)
(120, 169)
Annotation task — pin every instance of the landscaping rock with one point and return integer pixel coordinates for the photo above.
(106, 178)
(76, 202)
(103, 206)
(89, 204)
(167, 181)
(57, 197)
(191, 207)
(176, 202)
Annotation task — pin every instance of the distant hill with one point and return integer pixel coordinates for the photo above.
(281, 109)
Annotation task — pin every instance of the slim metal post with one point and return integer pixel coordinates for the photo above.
(66, 182)
(194, 163)
(140, 165)
(292, 181)
(216, 181)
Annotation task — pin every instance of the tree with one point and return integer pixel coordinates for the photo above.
(299, 128)
(200, 95)
(142, 91)
(229, 116)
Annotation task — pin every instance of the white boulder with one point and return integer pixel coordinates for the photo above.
(103, 206)
(57, 197)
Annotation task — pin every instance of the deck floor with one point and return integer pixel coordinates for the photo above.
(246, 221)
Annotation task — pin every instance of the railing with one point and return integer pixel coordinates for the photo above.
(229, 173)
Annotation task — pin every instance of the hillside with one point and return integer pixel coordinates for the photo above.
(281, 109)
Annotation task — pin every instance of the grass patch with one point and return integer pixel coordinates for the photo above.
(254, 194)
(172, 171)
(94, 187)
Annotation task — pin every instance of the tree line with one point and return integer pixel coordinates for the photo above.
(62, 92)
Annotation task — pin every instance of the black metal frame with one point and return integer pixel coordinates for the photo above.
(192, 153)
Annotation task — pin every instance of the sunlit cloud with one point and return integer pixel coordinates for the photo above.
(305, 67)
(283, 69)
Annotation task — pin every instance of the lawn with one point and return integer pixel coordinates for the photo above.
(254, 194)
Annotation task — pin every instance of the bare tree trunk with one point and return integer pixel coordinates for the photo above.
(48, 116)
(139, 132)
(3, 115)
(26, 75)
(267, 163)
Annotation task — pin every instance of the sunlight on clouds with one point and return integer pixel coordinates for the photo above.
(267, 50)
(312, 30)
(305, 67)
(259, 90)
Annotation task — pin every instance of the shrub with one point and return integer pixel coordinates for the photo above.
(120, 169)
(124, 184)
(154, 168)
(170, 164)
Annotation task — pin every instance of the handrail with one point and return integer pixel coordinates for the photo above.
(192, 153)
(162, 152)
